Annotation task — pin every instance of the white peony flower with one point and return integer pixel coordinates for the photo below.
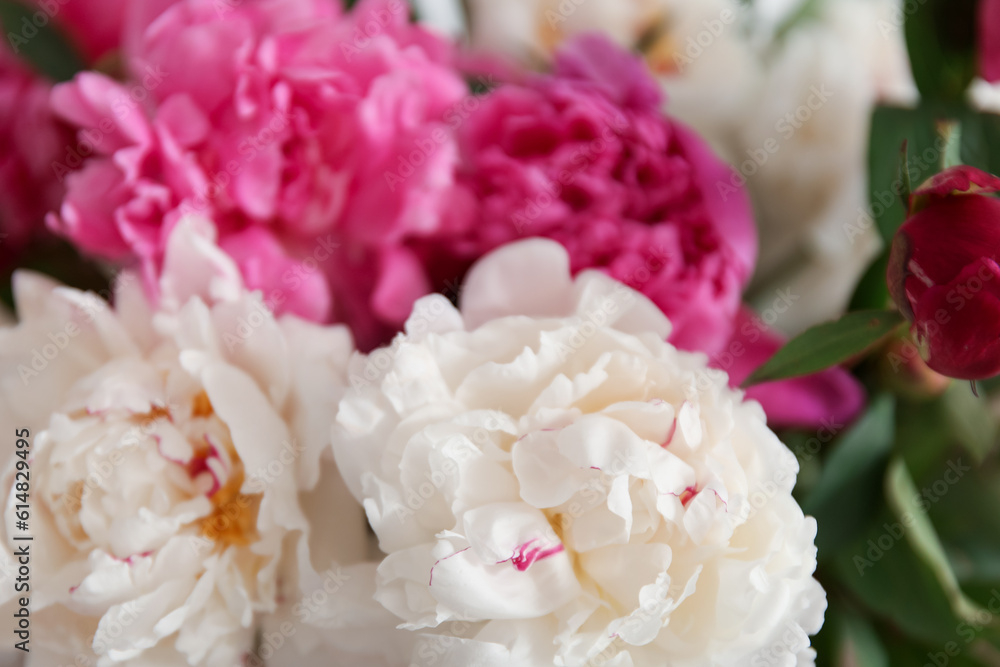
(531, 29)
(556, 485)
(182, 509)
(804, 149)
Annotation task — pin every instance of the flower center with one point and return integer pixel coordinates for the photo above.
(233, 521)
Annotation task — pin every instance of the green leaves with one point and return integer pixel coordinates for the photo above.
(941, 40)
(848, 491)
(891, 128)
(910, 509)
(861, 643)
(970, 420)
(881, 570)
(828, 345)
(32, 35)
(978, 145)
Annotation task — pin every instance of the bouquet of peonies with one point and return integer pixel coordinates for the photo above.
(499, 334)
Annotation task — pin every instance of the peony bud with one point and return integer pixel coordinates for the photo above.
(904, 371)
(943, 272)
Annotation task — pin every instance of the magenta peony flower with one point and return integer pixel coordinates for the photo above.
(943, 272)
(30, 141)
(316, 142)
(585, 157)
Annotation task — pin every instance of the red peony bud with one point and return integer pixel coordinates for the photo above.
(943, 272)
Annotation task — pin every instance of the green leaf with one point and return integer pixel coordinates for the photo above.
(39, 42)
(923, 435)
(981, 140)
(827, 345)
(872, 291)
(904, 176)
(905, 500)
(969, 525)
(850, 487)
(917, 127)
(970, 420)
(890, 128)
(882, 570)
(848, 638)
(862, 646)
(911, 654)
(941, 40)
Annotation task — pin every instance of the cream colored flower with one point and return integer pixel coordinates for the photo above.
(804, 151)
(182, 508)
(556, 485)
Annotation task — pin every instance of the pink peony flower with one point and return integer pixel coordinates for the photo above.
(316, 142)
(585, 157)
(30, 141)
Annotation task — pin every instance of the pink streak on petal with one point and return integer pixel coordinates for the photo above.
(430, 582)
(524, 557)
